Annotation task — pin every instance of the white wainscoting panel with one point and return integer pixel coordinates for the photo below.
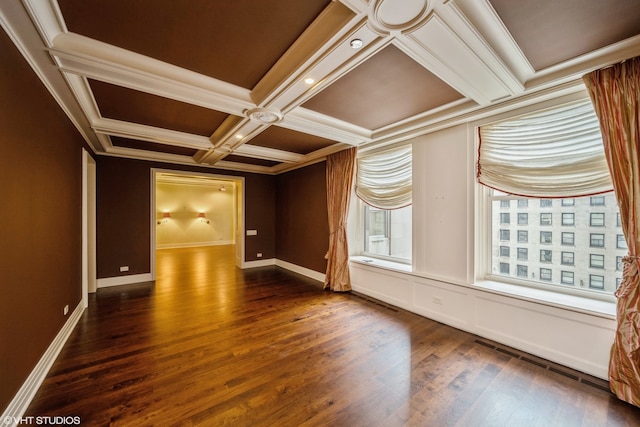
(573, 338)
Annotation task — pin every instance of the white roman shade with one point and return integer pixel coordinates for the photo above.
(383, 179)
(552, 153)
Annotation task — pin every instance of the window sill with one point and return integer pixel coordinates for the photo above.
(594, 307)
(381, 263)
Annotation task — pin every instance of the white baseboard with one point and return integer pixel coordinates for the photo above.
(21, 401)
(259, 263)
(301, 270)
(124, 280)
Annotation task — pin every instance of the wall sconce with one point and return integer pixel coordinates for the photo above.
(222, 188)
(165, 217)
(203, 217)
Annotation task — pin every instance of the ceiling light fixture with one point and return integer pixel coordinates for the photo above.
(309, 81)
(264, 116)
(356, 43)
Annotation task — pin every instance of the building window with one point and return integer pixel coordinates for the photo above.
(545, 203)
(568, 238)
(621, 242)
(596, 240)
(568, 202)
(619, 265)
(545, 274)
(505, 218)
(545, 218)
(522, 270)
(596, 281)
(545, 255)
(523, 236)
(596, 260)
(505, 251)
(596, 219)
(566, 277)
(523, 203)
(567, 258)
(523, 253)
(505, 234)
(388, 233)
(568, 218)
(546, 237)
(618, 219)
(523, 218)
(597, 200)
(504, 204)
(504, 268)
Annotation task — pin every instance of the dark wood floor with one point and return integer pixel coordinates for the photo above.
(209, 344)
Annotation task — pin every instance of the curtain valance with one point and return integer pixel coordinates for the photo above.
(552, 153)
(383, 179)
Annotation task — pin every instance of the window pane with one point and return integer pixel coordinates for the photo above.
(568, 218)
(523, 236)
(523, 218)
(568, 238)
(545, 218)
(388, 232)
(566, 259)
(597, 219)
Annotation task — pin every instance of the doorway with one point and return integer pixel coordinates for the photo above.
(192, 209)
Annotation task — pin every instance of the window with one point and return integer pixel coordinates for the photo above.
(523, 253)
(621, 242)
(505, 251)
(522, 270)
(505, 218)
(523, 218)
(523, 203)
(568, 218)
(568, 238)
(596, 240)
(596, 261)
(566, 277)
(619, 263)
(545, 218)
(567, 258)
(618, 220)
(504, 203)
(555, 153)
(505, 235)
(596, 219)
(571, 255)
(504, 268)
(596, 281)
(388, 233)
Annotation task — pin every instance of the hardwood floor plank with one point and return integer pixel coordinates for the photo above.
(208, 344)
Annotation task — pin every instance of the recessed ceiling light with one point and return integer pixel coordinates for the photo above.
(309, 81)
(356, 43)
(238, 136)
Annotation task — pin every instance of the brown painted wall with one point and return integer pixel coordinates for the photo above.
(123, 232)
(302, 225)
(40, 219)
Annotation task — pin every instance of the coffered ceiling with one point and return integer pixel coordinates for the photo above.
(269, 86)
